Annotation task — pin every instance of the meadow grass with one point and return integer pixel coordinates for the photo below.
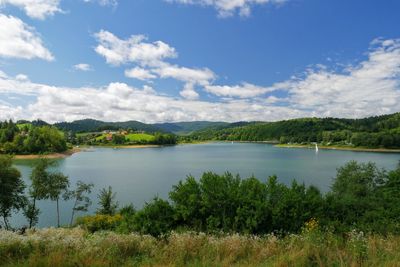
(76, 247)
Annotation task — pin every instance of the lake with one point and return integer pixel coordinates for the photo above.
(139, 174)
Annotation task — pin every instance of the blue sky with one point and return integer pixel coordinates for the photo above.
(184, 60)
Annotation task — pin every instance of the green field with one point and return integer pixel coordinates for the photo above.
(22, 125)
(139, 137)
(133, 137)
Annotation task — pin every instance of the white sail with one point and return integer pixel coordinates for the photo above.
(316, 147)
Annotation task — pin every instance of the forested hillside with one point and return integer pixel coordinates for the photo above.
(26, 138)
(379, 131)
(89, 125)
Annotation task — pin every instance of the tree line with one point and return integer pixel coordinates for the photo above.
(373, 132)
(30, 139)
(362, 197)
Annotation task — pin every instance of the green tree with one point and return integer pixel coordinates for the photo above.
(354, 193)
(38, 189)
(156, 218)
(11, 189)
(186, 197)
(58, 184)
(107, 202)
(80, 197)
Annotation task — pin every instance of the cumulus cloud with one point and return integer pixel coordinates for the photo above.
(369, 87)
(150, 60)
(119, 101)
(38, 9)
(189, 75)
(140, 74)
(245, 90)
(103, 2)
(83, 67)
(227, 8)
(188, 92)
(19, 40)
(133, 50)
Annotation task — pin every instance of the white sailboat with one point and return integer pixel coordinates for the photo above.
(316, 148)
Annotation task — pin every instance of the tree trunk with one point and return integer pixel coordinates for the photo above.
(33, 208)
(6, 223)
(58, 214)
(73, 213)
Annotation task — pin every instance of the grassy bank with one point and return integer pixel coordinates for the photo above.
(75, 247)
(65, 154)
(348, 148)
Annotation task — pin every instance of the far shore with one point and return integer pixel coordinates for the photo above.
(74, 150)
(65, 154)
(356, 149)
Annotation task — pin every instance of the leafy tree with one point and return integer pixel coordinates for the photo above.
(58, 184)
(156, 218)
(107, 203)
(354, 194)
(186, 197)
(38, 189)
(11, 189)
(80, 197)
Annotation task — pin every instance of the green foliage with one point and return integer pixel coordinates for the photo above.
(363, 197)
(80, 198)
(30, 140)
(11, 189)
(45, 185)
(107, 203)
(373, 132)
(156, 218)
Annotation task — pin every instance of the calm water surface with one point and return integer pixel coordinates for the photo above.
(139, 174)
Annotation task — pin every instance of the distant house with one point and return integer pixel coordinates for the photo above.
(109, 137)
(123, 132)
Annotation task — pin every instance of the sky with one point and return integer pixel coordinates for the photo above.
(188, 60)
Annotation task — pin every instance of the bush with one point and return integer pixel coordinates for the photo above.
(99, 222)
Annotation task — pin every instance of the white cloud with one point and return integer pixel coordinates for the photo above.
(133, 50)
(18, 40)
(227, 8)
(139, 73)
(188, 92)
(38, 9)
(368, 88)
(371, 87)
(83, 67)
(103, 2)
(193, 76)
(245, 90)
(119, 101)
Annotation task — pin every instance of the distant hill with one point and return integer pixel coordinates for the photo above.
(89, 125)
(378, 131)
(184, 128)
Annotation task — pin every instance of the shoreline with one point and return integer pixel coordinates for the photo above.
(74, 150)
(61, 155)
(355, 149)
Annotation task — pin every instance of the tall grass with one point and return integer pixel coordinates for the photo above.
(76, 247)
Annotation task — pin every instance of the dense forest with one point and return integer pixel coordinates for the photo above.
(373, 132)
(24, 138)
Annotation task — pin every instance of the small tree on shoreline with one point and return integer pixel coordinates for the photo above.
(81, 199)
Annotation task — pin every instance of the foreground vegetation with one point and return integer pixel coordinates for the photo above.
(76, 247)
(218, 220)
